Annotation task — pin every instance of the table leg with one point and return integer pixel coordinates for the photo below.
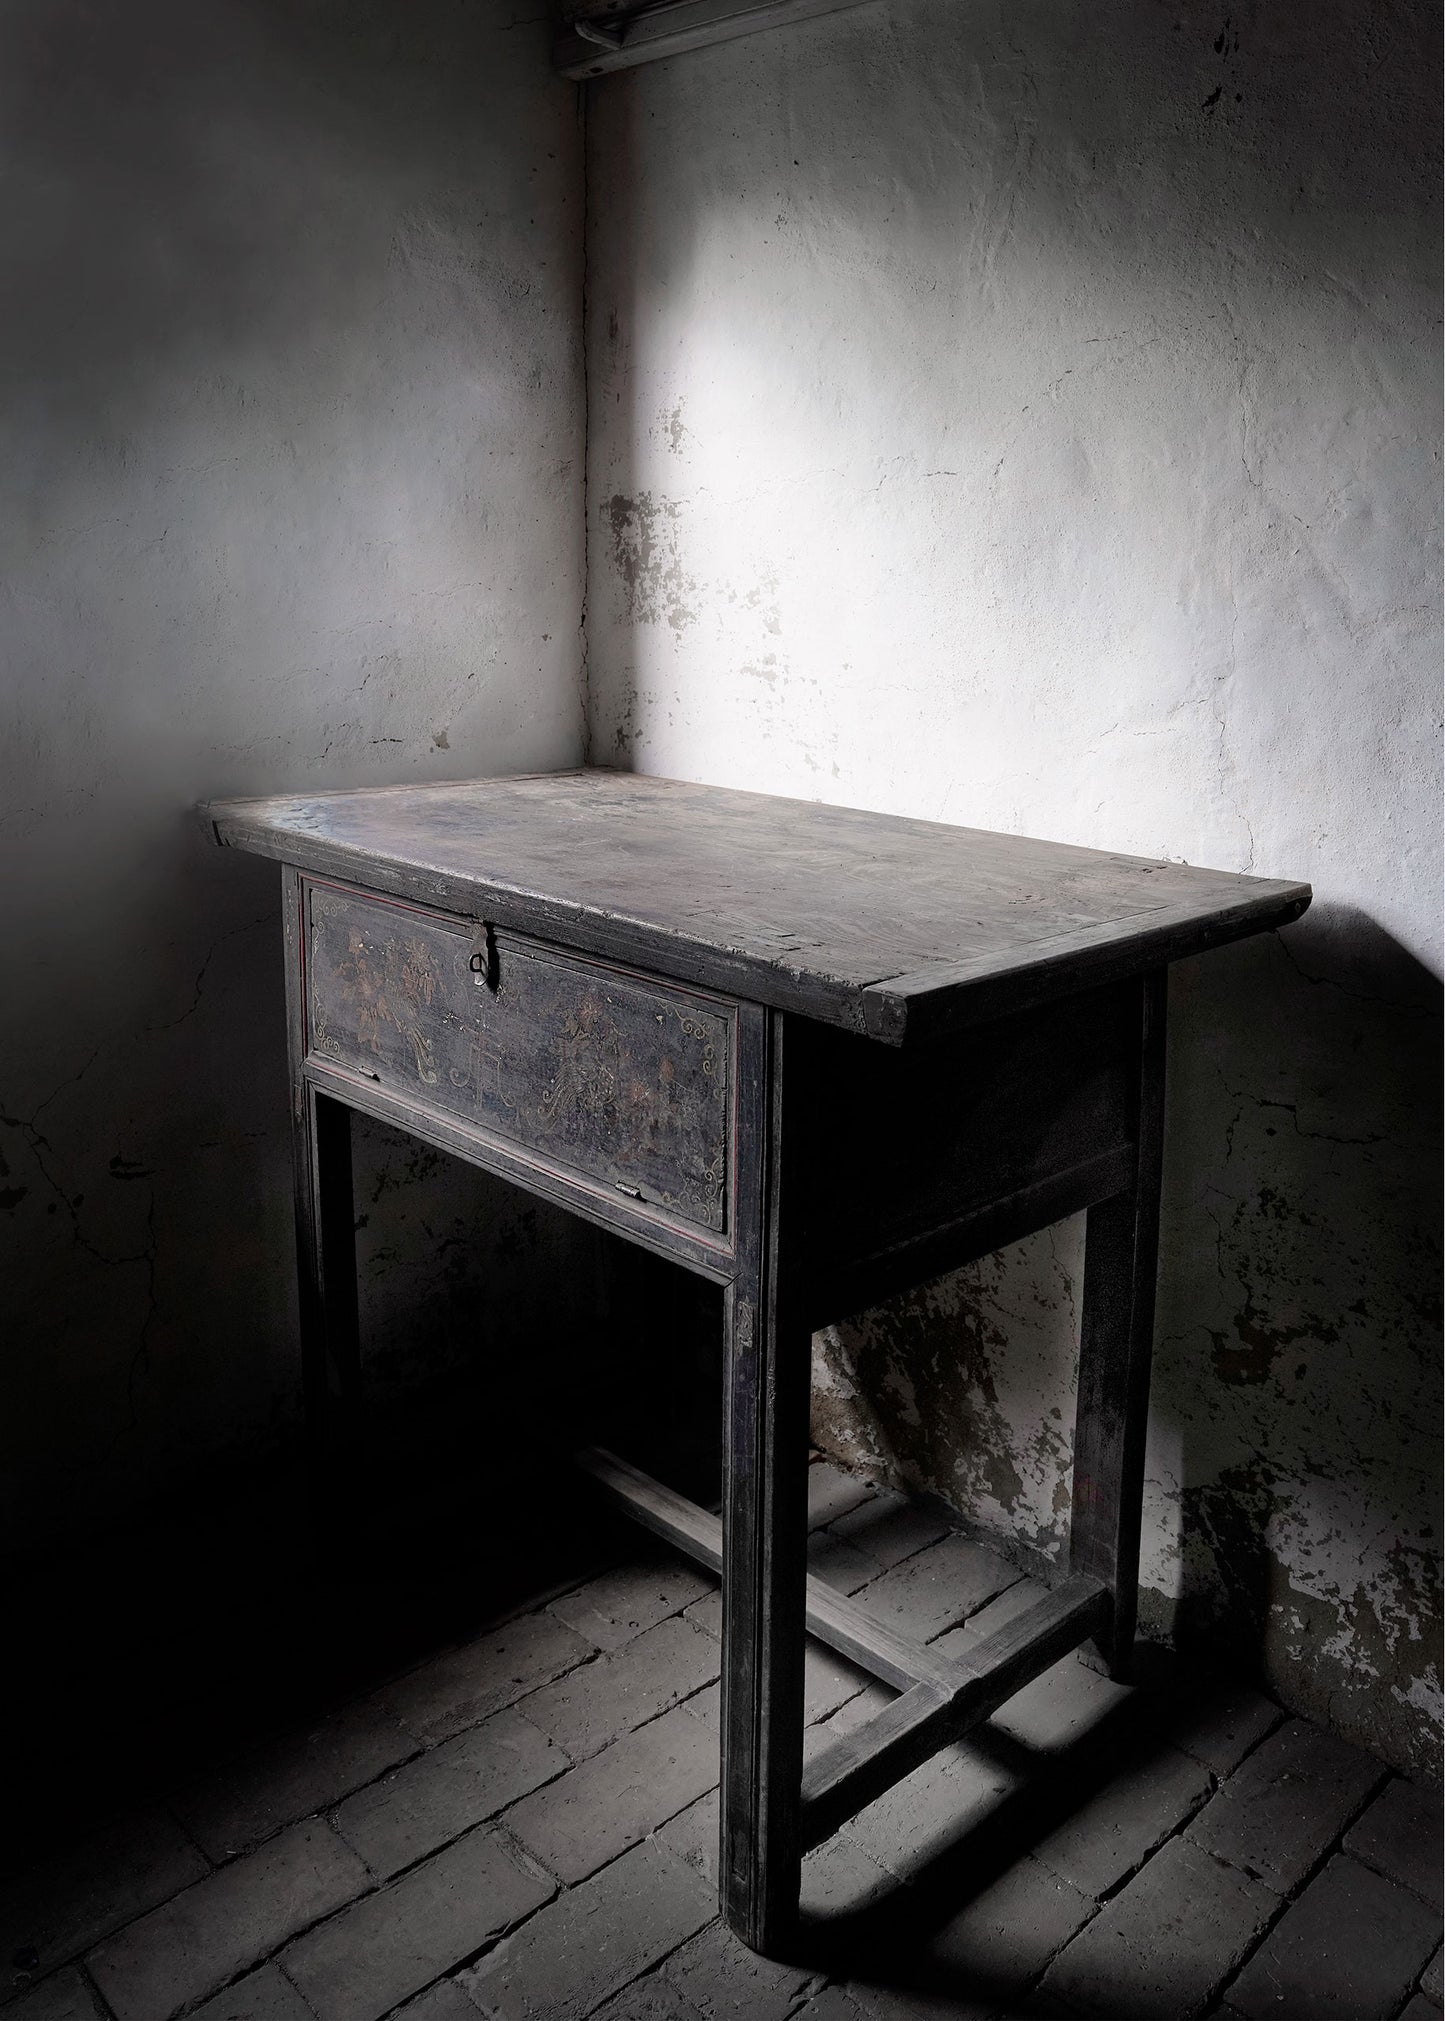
(326, 1253)
(325, 1221)
(764, 1529)
(1116, 1347)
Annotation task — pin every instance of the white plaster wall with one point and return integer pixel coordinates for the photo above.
(291, 437)
(1028, 416)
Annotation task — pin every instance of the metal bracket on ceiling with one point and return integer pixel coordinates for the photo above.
(649, 30)
(603, 37)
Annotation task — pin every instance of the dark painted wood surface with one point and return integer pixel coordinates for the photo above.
(805, 1167)
(896, 927)
(766, 1387)
(904, 1145)
(1116, 1344)
(622, 1078)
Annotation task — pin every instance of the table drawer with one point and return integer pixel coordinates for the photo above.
(618, 1077)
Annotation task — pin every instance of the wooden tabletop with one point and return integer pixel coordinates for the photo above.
(895, 927)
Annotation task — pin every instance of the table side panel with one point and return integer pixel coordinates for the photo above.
(907, 1144)
(581, 1064)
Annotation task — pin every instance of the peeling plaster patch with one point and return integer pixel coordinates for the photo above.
(647, 559)
(960, 1389)
(1273, 1564)
(675, 430)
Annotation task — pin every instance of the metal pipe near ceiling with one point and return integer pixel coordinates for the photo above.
(599, 38)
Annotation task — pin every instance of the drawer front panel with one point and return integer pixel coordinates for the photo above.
(620, 1078)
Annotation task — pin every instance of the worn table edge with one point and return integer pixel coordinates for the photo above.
(928, 1003)
(908, 1008)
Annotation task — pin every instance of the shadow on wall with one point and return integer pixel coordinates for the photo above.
(1293, 1507)
(292, 424)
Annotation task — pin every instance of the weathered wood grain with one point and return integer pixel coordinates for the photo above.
(896, 927)
(766, 1393)
(1121, 1261)
(626, 1079)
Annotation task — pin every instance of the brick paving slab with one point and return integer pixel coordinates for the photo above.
(887, 1528)
(66, 1997)
(983, 1957)
(593, 1939)
(1399, 1835)
(937, 1588)
(412, 1812)
(829, 1680)
(1418, 2008)
(1430, 1979)
(393, 1943)
(65, 1904)
(832, 2004)
(597, 1811)
(1351, 1947)
(597, 1704)
(1005, 1606)
(692, 1836)
(292, 1777)
(930, 1811)
(650, 1999)
(838, 1563)
(1286, 1803)
(1167, 1942)
(1222, 1727)
(443, 2002)
(1042, 2006)
(462, 1688)
(626, 1601)
(264, 1995)
(1063, 1704)
(706, 1707)
(878, 2002)
(706, 1613)
(832, 1493)
(1116, 1829)
(855, 1712)
(839, 1879)
(219, 1926)
(725, 1981)
(1007, 1934)
(1061, 1708)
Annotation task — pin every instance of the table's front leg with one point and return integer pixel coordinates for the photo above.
(1116, 1349)
(325, 1221)
(765, 1467)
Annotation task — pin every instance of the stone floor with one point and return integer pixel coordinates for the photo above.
(524, 1825)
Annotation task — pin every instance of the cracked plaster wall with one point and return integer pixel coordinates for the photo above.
(1028, 416)
(292, 442)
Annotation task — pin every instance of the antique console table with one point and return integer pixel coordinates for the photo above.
(815, 1054)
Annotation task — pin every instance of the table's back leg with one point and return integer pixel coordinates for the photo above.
(1120, 1265)
(764, 1525)
(325, 1220)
